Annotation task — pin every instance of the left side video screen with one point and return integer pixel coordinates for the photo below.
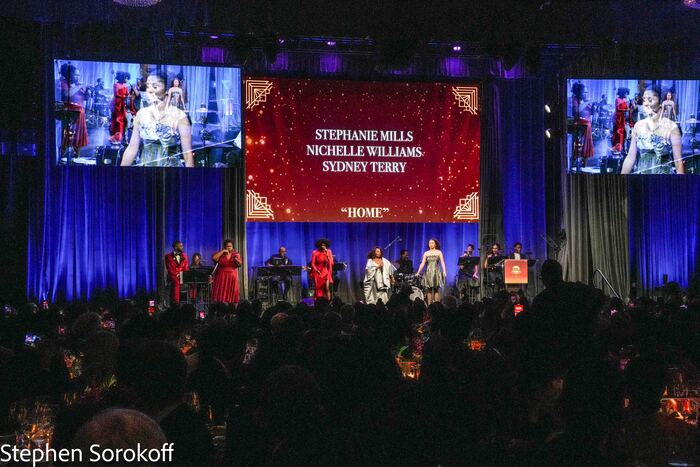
(146, 115)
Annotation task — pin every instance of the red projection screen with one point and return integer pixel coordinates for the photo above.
(351, 151)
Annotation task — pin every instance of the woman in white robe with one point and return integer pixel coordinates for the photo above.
(379, 277)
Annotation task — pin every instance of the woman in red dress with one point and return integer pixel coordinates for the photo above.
(121, 92)
(621, 111)
(226, 276)
(322, 268)
(583, 135)
(73, 94)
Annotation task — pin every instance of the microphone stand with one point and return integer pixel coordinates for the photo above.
(397, 239)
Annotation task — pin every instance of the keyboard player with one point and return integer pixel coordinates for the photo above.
(283, 282)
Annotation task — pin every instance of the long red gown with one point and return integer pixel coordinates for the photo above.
(226, 279)
(323, 263)
(118, 125)
(619, 133)
(75, 103)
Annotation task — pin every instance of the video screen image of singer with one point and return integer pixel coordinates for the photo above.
(146, 115)
(361, 151)
(633, 126)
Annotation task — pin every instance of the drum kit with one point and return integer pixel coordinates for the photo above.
(98, 111)
(601, 121)
(411, 281)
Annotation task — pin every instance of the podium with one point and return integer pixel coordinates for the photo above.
(515, 271)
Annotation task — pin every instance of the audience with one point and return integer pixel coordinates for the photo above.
(320, 385)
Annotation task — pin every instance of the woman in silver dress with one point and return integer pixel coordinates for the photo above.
(379, 277)
(656, 140)
(434, 278)
(163, 133)
(175, 97)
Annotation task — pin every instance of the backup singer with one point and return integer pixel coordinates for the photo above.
(621, 113)
(164, 131)
(379, 276)
(435, 274)
(322, 268)
(121, 92)
(494, 274)
(73, 95)
(474, 272)
(227, 262)
(583, 134)
(176, 264)
(657, 138)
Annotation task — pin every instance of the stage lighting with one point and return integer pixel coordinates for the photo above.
(548, 133)
(330, 43)
(456, 48)
(547, 109)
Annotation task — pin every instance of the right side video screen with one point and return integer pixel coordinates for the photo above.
(633, 126)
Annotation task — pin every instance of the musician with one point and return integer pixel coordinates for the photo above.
(196, 261)
(494, 274)
(283, 281)
(517, 252)
(227, 262)
(405, 264)
(379, 277)
(322, 268)
(176, 264)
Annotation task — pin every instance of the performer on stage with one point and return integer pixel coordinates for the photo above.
(494, 274)
(583, 134)
(474, 272)
(668, 107)
(468, 276)
(405, 264)
(658, 140)
(379, 277)
(176, 264)
(175, 97)
(435, 274)
(73, 95)
(165, 131)
(517, 252)
(121, 92)
(322, 268)
(621, 115)
(227, 262)
(283, 282)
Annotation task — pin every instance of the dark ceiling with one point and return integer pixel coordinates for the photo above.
(478, 21)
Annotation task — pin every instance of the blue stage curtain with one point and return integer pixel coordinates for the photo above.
(106, 229)
(351, 242)
(664, 225)
(523, 173)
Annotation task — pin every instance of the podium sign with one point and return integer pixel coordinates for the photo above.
(515, 271)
